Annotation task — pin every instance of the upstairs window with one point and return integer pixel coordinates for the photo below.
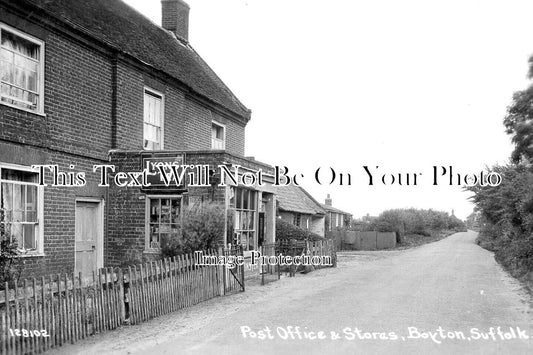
(153, 120)
(218, 136)
(21, 70)
(21, 208)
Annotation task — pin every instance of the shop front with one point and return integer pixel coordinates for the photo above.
(142, 217)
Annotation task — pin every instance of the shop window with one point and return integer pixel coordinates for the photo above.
(218, 136)
(21, 206)
(244, 203)
(153, 120)
(21, 70)
(162, 220)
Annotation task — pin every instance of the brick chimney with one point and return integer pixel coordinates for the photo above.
(328, 201)
(175, 17)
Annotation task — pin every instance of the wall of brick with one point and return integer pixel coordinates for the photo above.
(129, 107)
(187, 123)
(126, 215)
(77, 99)
(78, 93)
(59, 206)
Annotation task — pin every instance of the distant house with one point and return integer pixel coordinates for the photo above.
(298, 207)
(335, 218)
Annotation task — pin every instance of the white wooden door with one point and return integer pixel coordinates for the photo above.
(88, 223)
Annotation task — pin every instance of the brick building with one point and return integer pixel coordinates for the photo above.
(87, 83)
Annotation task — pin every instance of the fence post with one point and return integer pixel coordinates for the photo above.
(261, 251)
(221, 253)
(122, 295)
(241, 253)
(4, 335)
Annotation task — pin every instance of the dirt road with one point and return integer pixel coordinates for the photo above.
(445, 297)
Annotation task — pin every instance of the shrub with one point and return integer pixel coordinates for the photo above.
(415, 221)
(285, 230)
(202, 228)
(9, 266)
(506, 218)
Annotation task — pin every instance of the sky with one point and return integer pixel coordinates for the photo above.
(342, 84)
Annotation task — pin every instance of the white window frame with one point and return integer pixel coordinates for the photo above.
(147, 246)
(40, 207)
(40, 43)
(153, 92)
(255, 214)
(216, 140)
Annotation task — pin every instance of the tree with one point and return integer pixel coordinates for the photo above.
(519, 122)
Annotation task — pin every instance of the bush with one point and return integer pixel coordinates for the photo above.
(415, 221)
(285, 230)
(9, 266)
(202, 228)
(506, 218)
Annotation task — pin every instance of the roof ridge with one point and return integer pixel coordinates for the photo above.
(236, 100)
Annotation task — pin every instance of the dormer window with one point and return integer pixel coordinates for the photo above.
(21, 70)
(218, 136)
(153, 120)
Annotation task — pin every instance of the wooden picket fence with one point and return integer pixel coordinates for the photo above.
(293, 247)
(323, 248)
(48, 312)
(42, 314)
(168, 285)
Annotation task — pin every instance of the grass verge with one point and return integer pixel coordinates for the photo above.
(416, 240)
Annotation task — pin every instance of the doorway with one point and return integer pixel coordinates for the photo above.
(89, 236)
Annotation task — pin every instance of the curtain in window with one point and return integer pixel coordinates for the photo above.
(19, 69)
(19, 204)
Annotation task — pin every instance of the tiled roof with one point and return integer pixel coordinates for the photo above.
(295, 199)
(124, 29)
(333, 209)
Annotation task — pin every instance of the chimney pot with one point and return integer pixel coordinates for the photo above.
(328, 201)
(175, 17)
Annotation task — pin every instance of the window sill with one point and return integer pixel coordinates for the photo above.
(30, 255)
(151, 251)
(38, 113)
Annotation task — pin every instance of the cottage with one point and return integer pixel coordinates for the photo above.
(335, 218)
(92, 83)
(298, 207)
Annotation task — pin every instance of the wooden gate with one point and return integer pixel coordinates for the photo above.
(269, 272)
(233, 277)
